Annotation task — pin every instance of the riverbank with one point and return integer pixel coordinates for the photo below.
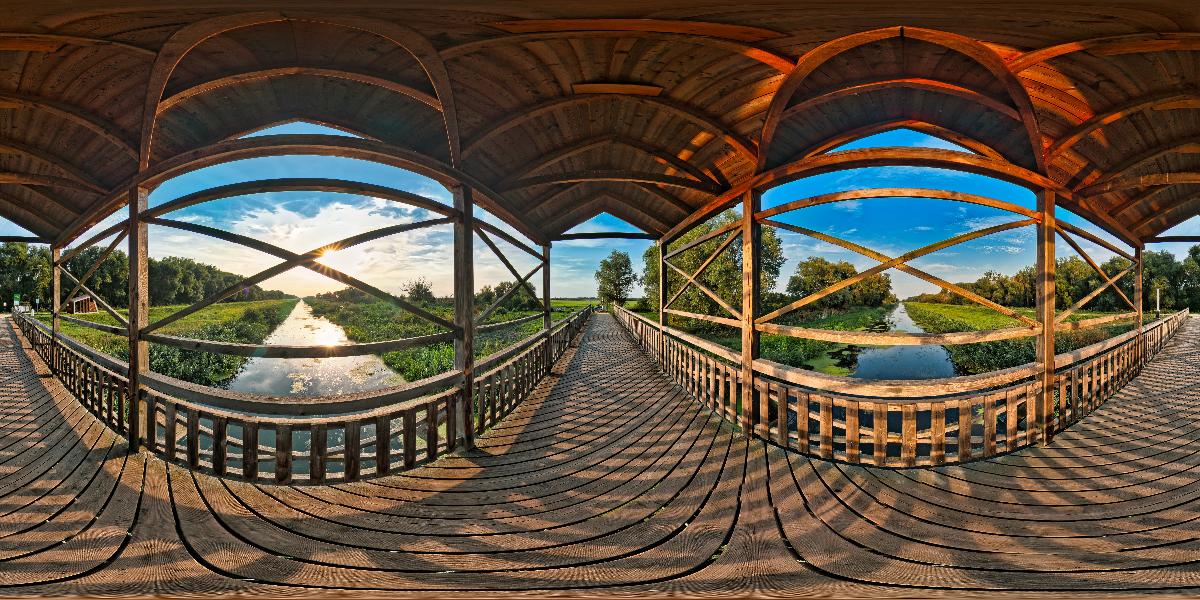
(825, 357)
(240, 322)
(378, 320)
(973, 359)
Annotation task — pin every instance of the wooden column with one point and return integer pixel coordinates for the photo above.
(464, 305)
(547, 321)
(1045, 314)
(751, 266)
(1138, 302)
(662, 300)
(55, 301)
(139, 309)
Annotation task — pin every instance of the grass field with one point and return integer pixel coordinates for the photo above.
(241, 322)
(970, 359)
(375, 321)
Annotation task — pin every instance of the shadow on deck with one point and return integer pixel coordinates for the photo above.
(608, 478)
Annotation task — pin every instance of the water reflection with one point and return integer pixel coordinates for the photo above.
(902, 362)
(312, 376)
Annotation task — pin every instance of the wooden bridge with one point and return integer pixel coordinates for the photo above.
(609, 478)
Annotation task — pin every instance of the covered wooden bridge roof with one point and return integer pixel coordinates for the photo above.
(555, 112)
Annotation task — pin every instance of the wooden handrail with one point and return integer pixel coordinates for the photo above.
(395, 428)
(912, 423)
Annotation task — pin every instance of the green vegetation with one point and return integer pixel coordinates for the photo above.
(1179, 281)
(970, 359)
(240, 322)
(615, 278)
(367, 319)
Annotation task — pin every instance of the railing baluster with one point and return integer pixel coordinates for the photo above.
(283, 453)
(852, 431)
(250, 451)
(220, 444)
(353, 450)
(937, 433)
(383, 444)
(317, 453)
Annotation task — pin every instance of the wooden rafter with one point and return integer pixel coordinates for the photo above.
(95, 266)
(524, 115)
(1114, 114)
(615, 176)
(76, 115)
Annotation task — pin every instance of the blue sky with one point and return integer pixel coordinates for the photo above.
(301, 221)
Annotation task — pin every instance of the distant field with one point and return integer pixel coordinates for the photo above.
(241, 322)
(970, 359)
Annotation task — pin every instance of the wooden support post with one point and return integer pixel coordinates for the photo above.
(547, 320)
(464, 305)
(1138, 302)
(751, 230)
(1045, 314)
(662, 301)
(55, 303)
(139, 310)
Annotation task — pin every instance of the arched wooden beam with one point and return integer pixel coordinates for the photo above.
(973, 49)
(616, 175)
(15, 211)
(556, 156)
(920, 126)
(709, 29)
(76, 115)
(778, 62)
(313, 145)
(1111, 45)
(339, 127)
(13, 41)
(11, 177)
(916, 157)
(189, 37)
(57, 162)
(1186, 146)
(296, 184)
(249, 76)
(866, 194)
(909, 83)
(1141, 181)
(1137, 105)
(529, 113)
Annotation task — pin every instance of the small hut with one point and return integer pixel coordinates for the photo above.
(82, 304)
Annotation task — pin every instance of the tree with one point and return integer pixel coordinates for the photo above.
(419, 291)
(615, 278)
(723, 276)
(815, 274)
(24, 270)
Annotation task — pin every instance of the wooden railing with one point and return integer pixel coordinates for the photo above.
(897, 423)
(316, 440)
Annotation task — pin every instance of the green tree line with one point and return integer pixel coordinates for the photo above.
(1178, 280)
(25, 270)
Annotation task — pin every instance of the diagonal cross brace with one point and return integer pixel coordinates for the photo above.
(899, 263)
(306, 260)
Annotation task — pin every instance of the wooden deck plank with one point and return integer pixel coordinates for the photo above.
(608, 477)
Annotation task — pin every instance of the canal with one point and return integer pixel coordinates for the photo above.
(312, 376)
(902, 362)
